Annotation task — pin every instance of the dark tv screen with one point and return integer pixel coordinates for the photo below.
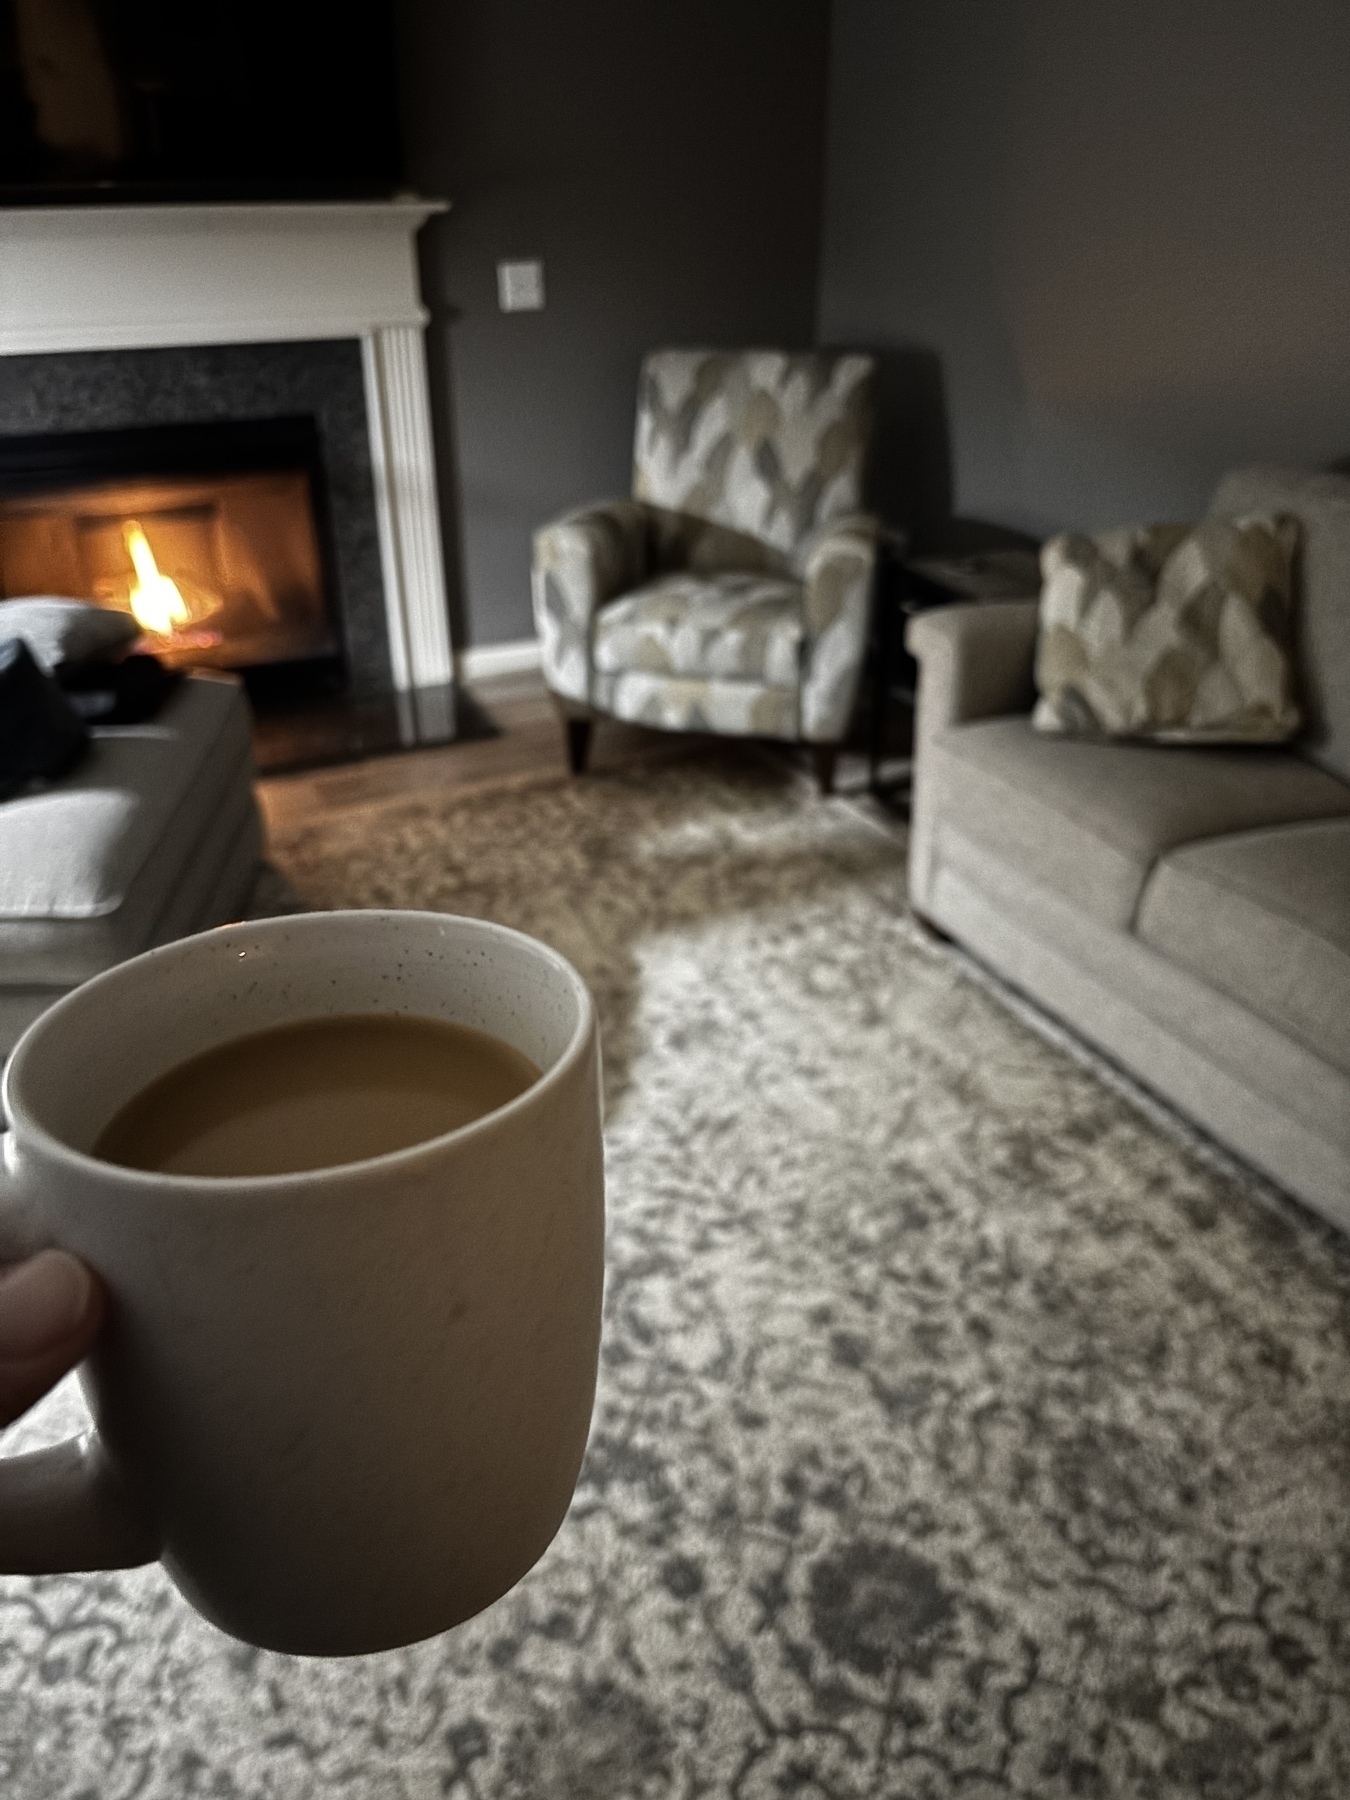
(183, 99)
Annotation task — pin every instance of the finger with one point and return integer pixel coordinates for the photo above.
(51, 1307)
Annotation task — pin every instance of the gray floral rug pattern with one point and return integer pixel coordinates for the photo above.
(961, 1432)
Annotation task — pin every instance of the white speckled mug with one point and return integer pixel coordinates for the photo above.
(346, 1408)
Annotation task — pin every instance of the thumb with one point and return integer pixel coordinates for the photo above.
(51, 1307)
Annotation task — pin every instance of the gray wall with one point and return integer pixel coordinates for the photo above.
(664, 157)
(1105, 247)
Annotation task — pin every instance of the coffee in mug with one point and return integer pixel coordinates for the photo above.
(315, 1094)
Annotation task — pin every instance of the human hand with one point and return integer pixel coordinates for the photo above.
(51, 1307)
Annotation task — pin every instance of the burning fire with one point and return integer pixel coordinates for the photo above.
(157, 604)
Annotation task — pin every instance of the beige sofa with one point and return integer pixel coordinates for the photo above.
(1185, 910)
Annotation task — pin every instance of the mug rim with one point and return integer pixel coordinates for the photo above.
(245, 1186)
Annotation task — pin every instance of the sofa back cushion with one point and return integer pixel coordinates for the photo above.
(759, 440)
(1322, 618)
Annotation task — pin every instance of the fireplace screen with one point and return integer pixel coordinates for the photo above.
(223, 569)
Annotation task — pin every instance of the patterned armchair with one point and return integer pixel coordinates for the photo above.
(731, 593)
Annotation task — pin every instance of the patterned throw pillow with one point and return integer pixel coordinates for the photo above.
(1177, 633)
(66, 631)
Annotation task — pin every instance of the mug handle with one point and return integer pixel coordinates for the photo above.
(63, 1508)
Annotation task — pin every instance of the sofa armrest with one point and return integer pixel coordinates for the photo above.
(582, 560)
(975, 661)
(837, 567)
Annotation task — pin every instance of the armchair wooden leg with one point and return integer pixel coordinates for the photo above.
(578, 743)
(824, 757)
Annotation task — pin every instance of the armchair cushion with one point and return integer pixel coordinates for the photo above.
(691, 703)
(580, 561)
(734, 627)
(762, 441)
(682, 540)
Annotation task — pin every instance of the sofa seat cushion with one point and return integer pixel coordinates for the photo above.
(1090, 820)
(733, 627)
(1264, 916)
(87, 866)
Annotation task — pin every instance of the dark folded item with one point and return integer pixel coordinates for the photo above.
(41, 735)
(118, 693)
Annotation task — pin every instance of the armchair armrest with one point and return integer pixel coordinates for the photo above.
(837, 565)
(582, 560)
(974, 662)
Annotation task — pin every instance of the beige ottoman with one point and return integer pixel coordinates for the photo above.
(154, 835)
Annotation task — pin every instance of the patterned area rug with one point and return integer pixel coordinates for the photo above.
(961, 1431)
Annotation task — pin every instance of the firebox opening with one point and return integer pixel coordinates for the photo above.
(211, 536)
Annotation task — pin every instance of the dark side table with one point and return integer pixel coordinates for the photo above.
(907, 585)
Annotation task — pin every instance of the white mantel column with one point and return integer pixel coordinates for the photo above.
(404, 466)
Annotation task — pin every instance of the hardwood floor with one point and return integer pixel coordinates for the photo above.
(531, 744)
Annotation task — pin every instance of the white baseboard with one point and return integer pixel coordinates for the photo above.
(480, 661)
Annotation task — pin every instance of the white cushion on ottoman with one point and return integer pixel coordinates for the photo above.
(89, 867)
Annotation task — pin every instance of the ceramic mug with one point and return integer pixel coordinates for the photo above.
(345, 1408)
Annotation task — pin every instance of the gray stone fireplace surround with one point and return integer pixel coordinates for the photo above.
(103, 390)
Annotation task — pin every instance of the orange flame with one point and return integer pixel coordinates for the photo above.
(157, 604)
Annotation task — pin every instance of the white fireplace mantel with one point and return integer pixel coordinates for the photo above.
(143, 277)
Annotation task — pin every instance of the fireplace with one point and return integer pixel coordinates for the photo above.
(222, 411)
(215, 537)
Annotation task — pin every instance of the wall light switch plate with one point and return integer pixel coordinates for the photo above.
(520, 286)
